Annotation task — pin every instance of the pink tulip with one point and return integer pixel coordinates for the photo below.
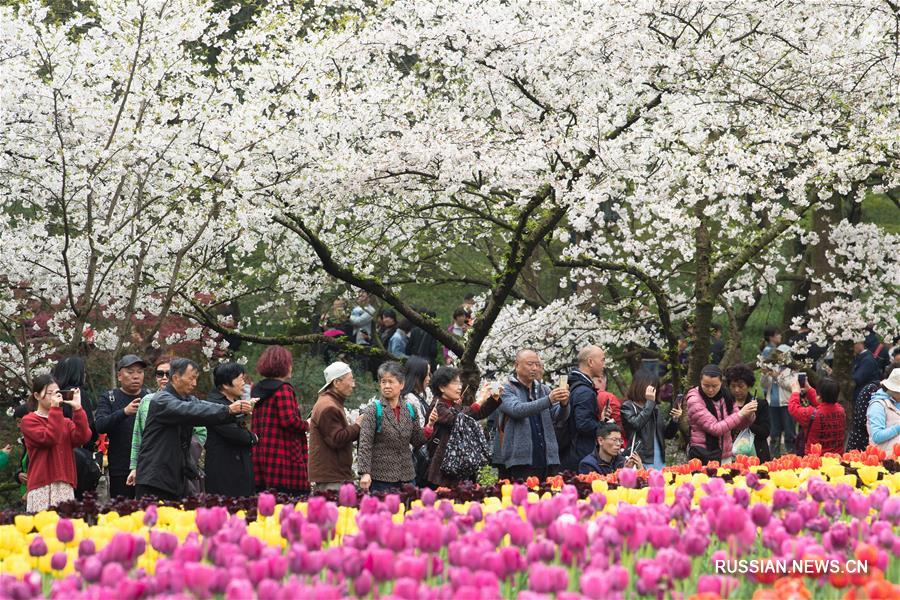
(519, 494)
(362, 584)
(595, 585)
(729, 521)
(547, 579)
(151, 515)
(112, 573)
(347, 495)
(163, 542)
(760, 514)
(890, 510)
(392, 503)
(265, 504)
(58, 561)
(427, 496)
(628, 478)
(199, 578)
(311, 536)
(210, 520)
(793, 523)
(239, 589)
(86, 547)
(368, 505)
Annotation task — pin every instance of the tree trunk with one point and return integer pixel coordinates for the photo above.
(703, 311)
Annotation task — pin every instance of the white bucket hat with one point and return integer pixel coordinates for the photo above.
(893, 381)
(335, 370)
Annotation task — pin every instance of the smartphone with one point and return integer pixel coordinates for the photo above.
(495, 388)
(679, 401)
(67, 395)
(563, 382)
(801, 379)
(246, 392)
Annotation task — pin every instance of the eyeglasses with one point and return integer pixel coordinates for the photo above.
(616, 441)
(161, 374)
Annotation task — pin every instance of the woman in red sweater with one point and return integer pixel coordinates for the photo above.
(822, 421)
(50, 439)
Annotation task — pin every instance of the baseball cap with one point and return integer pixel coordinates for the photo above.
(334, 371)
(129, 360)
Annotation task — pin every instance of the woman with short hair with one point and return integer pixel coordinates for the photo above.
(447, 388)
(390, 425)
(740, 379)
(229, 464)
(281, 457)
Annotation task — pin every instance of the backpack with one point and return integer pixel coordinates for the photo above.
(379, 411)
(87, 469)
(467, 449)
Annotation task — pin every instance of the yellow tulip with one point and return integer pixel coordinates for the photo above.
(533, 498)
(832, 470)
(506, 490)
(24, 523)
(599, 486)
(16, 565)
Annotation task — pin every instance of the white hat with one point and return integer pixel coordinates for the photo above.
(893, 381)
(334, 371)
(784, 349)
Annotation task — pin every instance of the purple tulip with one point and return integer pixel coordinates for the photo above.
(760, 514)
(86, 547)
(91, 568)
(65, 531)
(368, 505)
(694, 544)
(347, 495)
(58, 561)
(475, 512)
(890, 510)
(265, 504)
(210, 520)
(151, 515)
(793, 523)
(163, 542)
(38, 546)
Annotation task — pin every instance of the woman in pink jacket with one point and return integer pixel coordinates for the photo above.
(712, 415)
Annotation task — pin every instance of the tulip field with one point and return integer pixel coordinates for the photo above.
(627, 535)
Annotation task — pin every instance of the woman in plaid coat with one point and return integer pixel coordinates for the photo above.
(281, 457)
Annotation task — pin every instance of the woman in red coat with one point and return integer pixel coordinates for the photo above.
(51, 439)
(281, 457)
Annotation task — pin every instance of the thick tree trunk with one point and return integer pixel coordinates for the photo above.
(703, 310)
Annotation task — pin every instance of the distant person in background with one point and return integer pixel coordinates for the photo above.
(458, 327)
(422, 343)
(469, 306)
(400, 339)
(416, 387)
(895, 362)
(771, 340)
(717, 347)
(69, 374)
(865, 367)
(50, 439)
(361, 318)
(776, 380)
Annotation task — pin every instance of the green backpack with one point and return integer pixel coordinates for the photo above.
(379, 411)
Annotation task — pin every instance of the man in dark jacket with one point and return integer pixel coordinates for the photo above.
(164, 464)
(115, 417)
(229, 464)
(608, 456)
(578, 437)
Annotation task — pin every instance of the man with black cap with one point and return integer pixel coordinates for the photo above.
(115, 417)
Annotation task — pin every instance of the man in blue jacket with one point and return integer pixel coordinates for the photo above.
(526, 438)
(578, 437)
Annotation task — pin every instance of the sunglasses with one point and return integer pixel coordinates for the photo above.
(162, 374)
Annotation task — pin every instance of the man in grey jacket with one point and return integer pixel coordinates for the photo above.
(526, 444)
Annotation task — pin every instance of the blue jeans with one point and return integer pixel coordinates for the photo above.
(387, 486)
(781, 422)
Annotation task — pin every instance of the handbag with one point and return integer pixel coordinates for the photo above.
(803, 434)
(467, 449)
(745, 443)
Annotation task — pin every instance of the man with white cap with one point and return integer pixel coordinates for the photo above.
(883, 414)
(331, 435)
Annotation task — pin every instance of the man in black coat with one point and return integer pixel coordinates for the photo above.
(115, 417)
(229, 464)
(164, 464)
(579, 435)
(865, 368)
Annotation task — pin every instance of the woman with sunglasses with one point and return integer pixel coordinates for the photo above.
(162, 370)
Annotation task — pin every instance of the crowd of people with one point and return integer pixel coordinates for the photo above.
(248, 436)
